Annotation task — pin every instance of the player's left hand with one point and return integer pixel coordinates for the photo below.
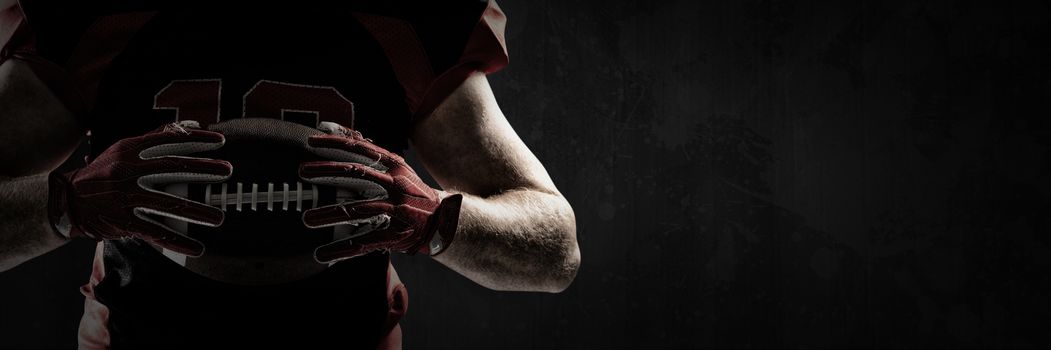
(419, 219)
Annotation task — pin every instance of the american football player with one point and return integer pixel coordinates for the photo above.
(145, 84)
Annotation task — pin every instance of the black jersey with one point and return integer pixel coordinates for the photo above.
(126, 67)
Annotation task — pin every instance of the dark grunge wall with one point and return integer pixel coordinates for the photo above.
(861, 174)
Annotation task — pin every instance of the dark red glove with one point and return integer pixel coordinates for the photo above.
(114, 196)
(419, 221)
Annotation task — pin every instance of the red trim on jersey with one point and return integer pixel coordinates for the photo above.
(53, 75)
(18, 40)
(102, 42)
(75, 83)
(11, 20)
(405, 53)
(486, 52)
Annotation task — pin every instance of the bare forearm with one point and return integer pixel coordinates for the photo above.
(24, 229)
(518, 240)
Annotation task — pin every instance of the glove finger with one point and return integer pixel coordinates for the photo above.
(356, 182)
(176, 132)
(177, 169)
(171, 206)
(176, 142)
(348, 150)
(347, 214)
(335, 173)
(156, 233)
(352, 248)
(331, 128)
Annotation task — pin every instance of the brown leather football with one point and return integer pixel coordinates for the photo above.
(262, 239)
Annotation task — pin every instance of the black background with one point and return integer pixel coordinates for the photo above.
(861, 174)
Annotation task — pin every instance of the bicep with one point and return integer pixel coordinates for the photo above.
(467, 145)
(37, 132)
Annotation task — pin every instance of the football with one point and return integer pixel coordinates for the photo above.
(262, 239)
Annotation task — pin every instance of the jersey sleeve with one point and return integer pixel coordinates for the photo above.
(68, 44)
(433, 49)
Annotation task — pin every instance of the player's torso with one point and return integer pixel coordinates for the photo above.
(302, 65)
(128, 67)
(298, 65)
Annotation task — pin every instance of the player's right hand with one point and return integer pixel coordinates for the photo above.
(115, 195)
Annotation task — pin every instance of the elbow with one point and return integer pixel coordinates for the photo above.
(546, 260)
(566, 271)
(567, 261)
(553, 272)
(555, 264)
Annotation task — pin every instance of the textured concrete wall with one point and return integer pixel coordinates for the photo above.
(752, 174)
(785, 174)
